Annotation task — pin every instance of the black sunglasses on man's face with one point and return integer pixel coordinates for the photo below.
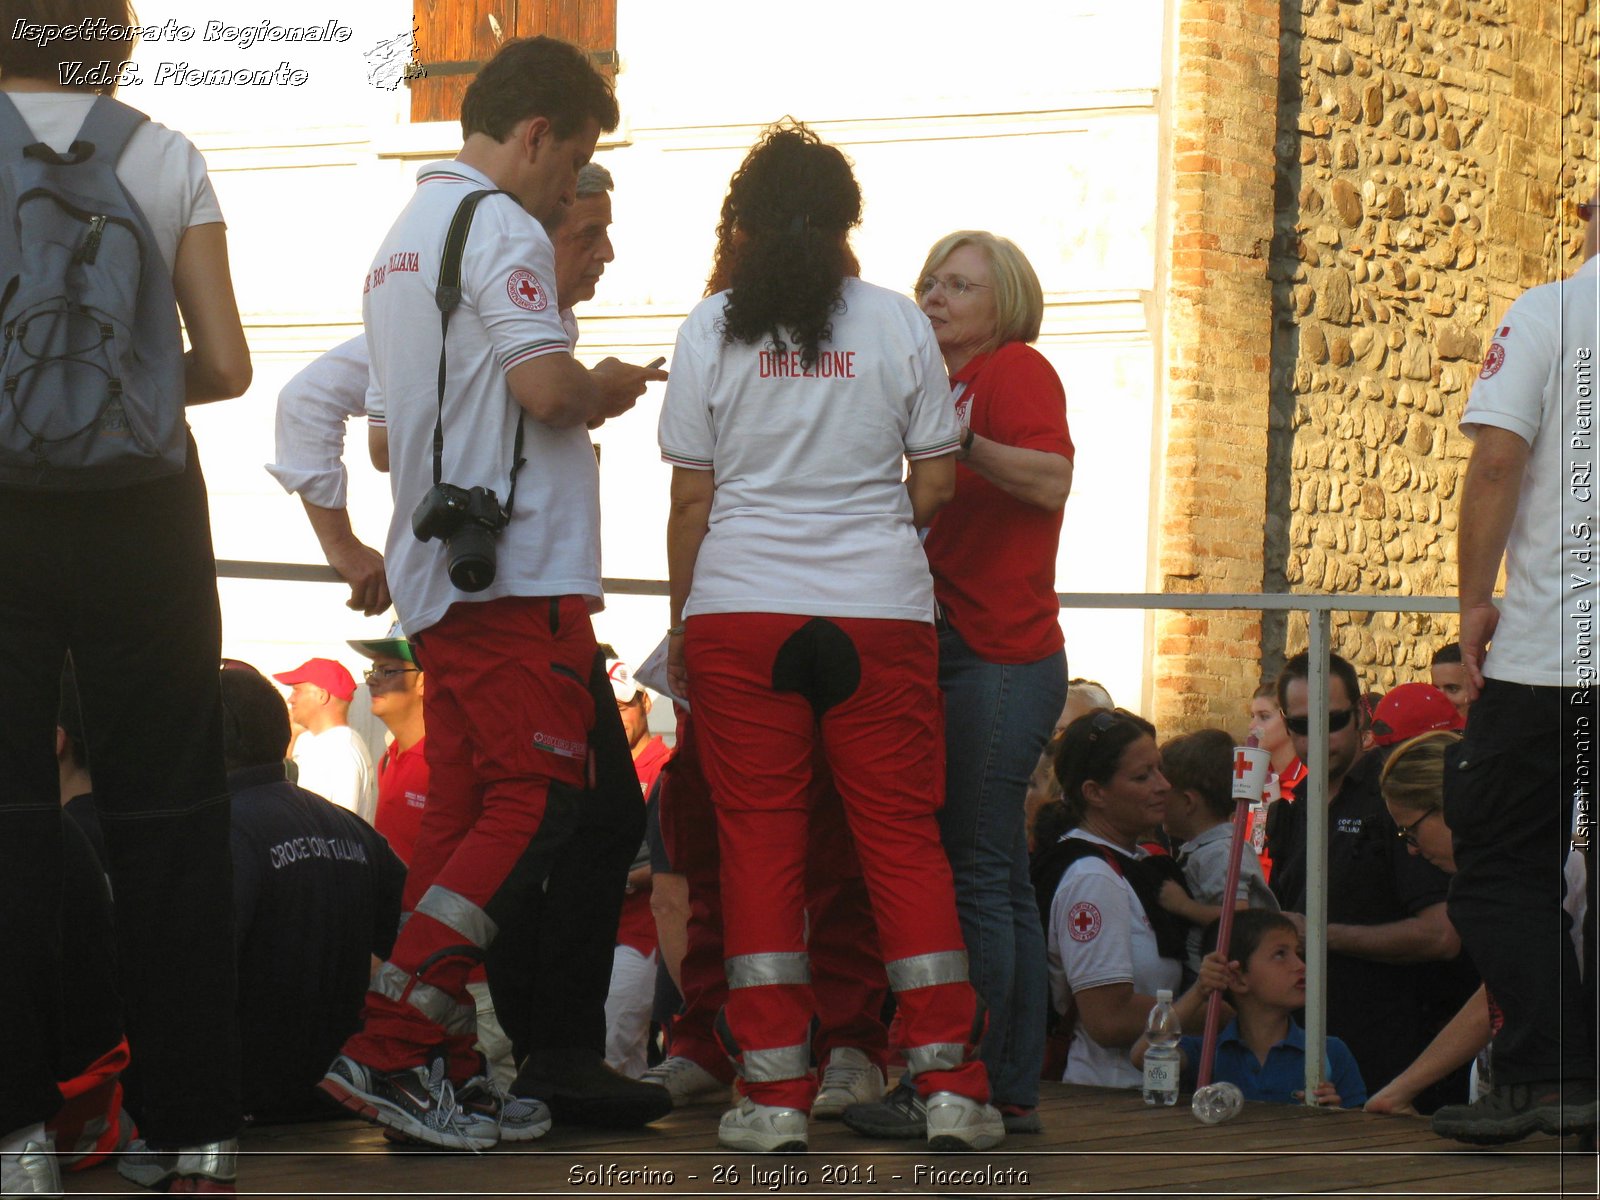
(1338, 718)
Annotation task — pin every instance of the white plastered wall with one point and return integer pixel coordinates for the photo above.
(1041, 125)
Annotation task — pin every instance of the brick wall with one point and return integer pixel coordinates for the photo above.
(1218, 326)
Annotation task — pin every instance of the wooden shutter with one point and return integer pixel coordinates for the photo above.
(455, 39)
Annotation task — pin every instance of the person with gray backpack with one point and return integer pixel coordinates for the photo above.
(109, 228)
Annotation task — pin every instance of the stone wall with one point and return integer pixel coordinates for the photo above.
(1427, 159)
(1427, 156)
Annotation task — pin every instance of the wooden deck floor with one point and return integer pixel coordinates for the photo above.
(1098, 1142)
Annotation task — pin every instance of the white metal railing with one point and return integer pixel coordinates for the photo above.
(1319, 609)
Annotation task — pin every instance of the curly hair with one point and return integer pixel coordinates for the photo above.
(783, 251)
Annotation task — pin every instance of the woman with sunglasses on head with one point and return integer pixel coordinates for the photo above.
(1002, 667)
(1111, 945)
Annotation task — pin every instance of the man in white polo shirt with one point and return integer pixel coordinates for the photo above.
(1527, 764)
(509, 649)
(314, 406)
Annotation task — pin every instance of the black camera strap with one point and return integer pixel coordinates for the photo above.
(448, 297)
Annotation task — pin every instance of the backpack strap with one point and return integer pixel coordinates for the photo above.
(15, 133)
(108, 127)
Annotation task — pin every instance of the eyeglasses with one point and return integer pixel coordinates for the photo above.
(955, 285)
(1587, 209)
(1408, 833)
(384, 674)
(1338, 718)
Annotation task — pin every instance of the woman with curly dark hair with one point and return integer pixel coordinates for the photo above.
(802, 621)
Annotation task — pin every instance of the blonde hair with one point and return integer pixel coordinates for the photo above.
(1018, 298)
(1413, 778)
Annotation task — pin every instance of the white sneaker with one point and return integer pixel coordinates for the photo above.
(685, 1080)
(960, 1123)
(762, 1128)
(850, 1078)
(28, 1164)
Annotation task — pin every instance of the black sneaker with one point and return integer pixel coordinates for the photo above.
(1513, 1111)
(581, 1089)
(901, 1114)
(417, 1101)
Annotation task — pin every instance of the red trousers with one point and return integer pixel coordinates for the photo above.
(847, 982)
(508, 711)
(768, 691)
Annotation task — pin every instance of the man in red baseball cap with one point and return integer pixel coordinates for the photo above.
(1412, 709)
(333, 762)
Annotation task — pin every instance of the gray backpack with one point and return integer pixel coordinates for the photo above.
(91, 365)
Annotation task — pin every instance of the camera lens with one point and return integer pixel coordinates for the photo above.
(471, 553)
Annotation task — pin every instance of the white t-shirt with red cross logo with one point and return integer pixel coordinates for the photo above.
(1099, 935)
(509, 314)
(811, 514)
(1538, 380)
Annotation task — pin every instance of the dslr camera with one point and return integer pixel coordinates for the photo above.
(466, 520)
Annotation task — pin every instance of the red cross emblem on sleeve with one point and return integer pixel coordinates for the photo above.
(1083, 922)
(526, 291)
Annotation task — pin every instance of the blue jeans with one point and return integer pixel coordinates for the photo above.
(998, 717)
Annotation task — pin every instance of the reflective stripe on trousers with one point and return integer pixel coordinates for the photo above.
(927, 970)
(392, 983)
(767, 970)
(457, 913)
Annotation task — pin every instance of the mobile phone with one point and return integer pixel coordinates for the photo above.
(655, 362)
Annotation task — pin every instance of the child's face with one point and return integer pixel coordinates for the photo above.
(1276, 974)
(1184, 811)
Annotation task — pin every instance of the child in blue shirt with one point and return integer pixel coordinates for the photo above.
(1262, 1050)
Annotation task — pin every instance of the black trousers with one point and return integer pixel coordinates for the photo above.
(549, 975)
(124, 580)
(1509, 801)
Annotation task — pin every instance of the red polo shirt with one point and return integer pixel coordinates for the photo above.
(993, 556)
(638, 925)
(402, 795)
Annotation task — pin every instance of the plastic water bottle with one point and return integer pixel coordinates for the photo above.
(1161, 1059)
(1217, 1102)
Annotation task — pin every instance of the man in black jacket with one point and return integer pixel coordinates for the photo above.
(1386, 908)
(316, 896)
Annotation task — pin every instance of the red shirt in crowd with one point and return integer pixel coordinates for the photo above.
(638, 925)
(402, 795)
(994, 556)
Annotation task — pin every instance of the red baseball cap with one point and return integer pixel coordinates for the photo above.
(328, 675)
(1412, 709)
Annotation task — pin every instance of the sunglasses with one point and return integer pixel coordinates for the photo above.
(1587, 209)
(1408, 833)
(1338, 718)
(384, 674)
(1102, 721)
